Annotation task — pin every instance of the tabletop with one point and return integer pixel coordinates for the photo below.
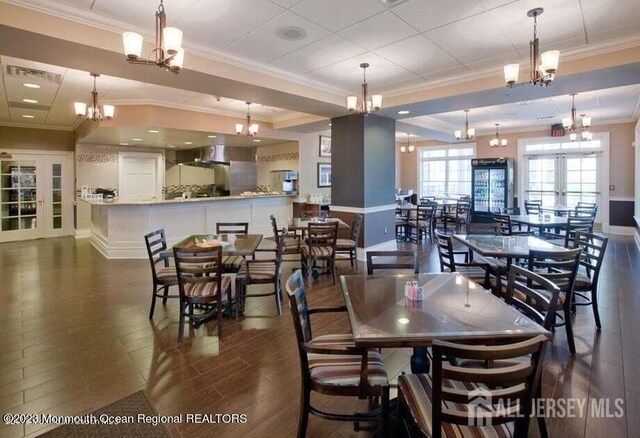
(506, 246)
(558, 209)
(538, 221)
(453, 308)
(232, 244)
(302, 224)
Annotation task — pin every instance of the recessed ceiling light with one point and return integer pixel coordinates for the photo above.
(136, 139)
(291, 33)
(153, 131)
(188, 142)
(124, 144)
(404, 112)
(212, 136)
(28, 116)
(29, 101)
(257, 140)
(403, 321)
(30, 85)
(329, 124)
(171, 146)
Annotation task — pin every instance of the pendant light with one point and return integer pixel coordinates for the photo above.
(570, 123)
(497, 141)
(167, 52)
(542, 67)
(252, 128)
(409, 147)
(93, 112)
(469, 133)
(365, 106)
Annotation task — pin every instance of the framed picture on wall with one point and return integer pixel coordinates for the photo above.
(324, 175)
(325, 146)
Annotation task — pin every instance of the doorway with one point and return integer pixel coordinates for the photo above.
(141, 176)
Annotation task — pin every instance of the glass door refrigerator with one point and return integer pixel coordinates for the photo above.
(492, 187)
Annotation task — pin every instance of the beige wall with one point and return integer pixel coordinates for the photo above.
(277, 157)
(621, 156)
(39, 139)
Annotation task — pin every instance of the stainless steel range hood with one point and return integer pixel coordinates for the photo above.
(216, 154)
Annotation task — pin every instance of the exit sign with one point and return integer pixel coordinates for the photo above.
(557, 130)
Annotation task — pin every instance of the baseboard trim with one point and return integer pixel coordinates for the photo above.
(624, 231)
(636, 236)
(82, 234)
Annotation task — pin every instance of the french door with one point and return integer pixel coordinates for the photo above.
(36, 192)
(564, 178)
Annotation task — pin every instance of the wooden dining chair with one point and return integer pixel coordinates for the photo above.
(567, 236)
(584, 211)
(421, 221)
(561, 269)
(232, 263)
(458, 402)
(332, 365)
(201, 282)
(459, 216)
(504, 226)
(163, 275)
(349, 246)
(532, 207)
(586, 284)
(261, 271)
(411, 257)
(402, 219)
(475, 271)
(320, 247)
(293, 241)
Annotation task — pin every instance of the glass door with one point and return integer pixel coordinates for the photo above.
(481, 190)
(541, 182)
(58, 195)
(497, 190)
(20, 198)
(581, 179)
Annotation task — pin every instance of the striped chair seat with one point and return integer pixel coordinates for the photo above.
(209, 289)
(345, 244)
(339, 339)
(232, 263)
(344, 370)
(167, 275)
(317, 251)
(417, 392)
(582, 283)
(418, 224)
(258, 271)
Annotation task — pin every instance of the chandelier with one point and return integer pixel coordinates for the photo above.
(571, 123)
(469, 133)
(167, 53)
(252, 128)
(366, 106)
(93, 111)
(497, 141)
(409, 147)
(542, 66)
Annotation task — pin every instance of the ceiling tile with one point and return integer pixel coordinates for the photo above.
(141, 13)
(215, 25)
(378, 31)
(263, 44)
(418, 54)
(15, 114)
(601, 17)
(425, 15)
(319, 54)
(473, 39)
(287, 3)
(338, 14)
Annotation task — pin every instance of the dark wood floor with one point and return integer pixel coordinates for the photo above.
(75, 336)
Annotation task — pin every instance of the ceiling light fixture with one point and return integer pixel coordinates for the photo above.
(93, 112)
(168, 50)
(188, 142)
(409, 147)
(30, 85)
(497, 141)
(29, 101)
(124, 144)
(212, 136)
(251, 129)
(403, 112)
(469, 133)
(571, 123)
(542, 66)
(153, 131)
(366, 106)
(136, 139)
(28, 116)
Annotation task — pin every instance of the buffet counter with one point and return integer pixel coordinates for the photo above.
(118, 228)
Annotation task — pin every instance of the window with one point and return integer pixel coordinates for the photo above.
(446, 170)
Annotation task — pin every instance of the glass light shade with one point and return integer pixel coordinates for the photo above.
(566, 122)
(471, 132)
(511, 72)
(80, 108)
(178, 59)
(239, 128)
(403, 149)
(132, 44)
(368, 105)
(549, 61)
(504, 142)
(376, 101)
(253, 129)
(109, 111)
(458, 134)
(352, 102)
(493, 142)
(586, 121)
(412, 148)
(573, 136)
(586, 135)
(171, 40)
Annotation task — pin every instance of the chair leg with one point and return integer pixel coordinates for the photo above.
(594, 305)
(276, 287)
(166, 295)
(385, 412)
(153, 302)
(351, 257)
(355, 257)
(332, 262)
(305, 405)
(181, 323)
(219, 312)
(239, 293)
(568, 327)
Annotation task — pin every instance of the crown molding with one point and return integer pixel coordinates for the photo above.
(44, 127)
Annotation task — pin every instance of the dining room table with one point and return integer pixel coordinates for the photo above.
(232, 244)
(541, 221)
(452, 308)
(558, 210)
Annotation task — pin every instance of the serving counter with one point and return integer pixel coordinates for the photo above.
(118, 228)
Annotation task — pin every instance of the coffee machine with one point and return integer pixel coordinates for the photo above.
(284, 180)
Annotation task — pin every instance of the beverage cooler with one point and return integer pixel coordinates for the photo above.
(492, 187)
